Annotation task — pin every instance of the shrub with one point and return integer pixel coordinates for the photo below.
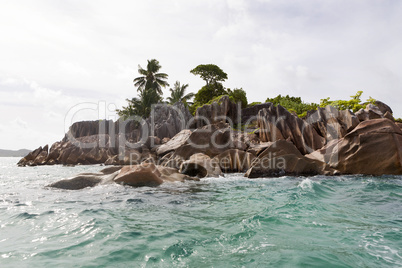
(353, 104)
(238, 95)
(293, 104)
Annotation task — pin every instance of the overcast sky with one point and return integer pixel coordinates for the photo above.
(55, 55)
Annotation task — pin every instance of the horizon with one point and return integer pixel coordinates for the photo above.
(59, 55)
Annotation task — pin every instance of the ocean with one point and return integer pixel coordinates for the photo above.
(232, 221)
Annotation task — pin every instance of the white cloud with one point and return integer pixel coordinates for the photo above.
(89, 51)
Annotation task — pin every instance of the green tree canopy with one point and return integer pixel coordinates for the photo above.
(150, 78)
(142, 105)
(293, 104)
(208, 92)
(149, 87)
(238, 95)
(210, 73)
(177, 93)
(353, 104)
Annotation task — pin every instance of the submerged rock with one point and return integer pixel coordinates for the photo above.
(84, 180)
(148, 174)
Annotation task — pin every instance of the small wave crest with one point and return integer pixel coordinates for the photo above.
(307, 184)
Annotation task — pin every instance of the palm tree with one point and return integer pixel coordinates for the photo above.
(142, 105)
(177, 93)
(150, 77)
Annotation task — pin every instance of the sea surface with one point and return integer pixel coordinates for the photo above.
(232, 221)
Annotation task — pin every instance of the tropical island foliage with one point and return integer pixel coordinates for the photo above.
(150, 83)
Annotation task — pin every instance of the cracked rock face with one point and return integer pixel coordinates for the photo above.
(276, 123)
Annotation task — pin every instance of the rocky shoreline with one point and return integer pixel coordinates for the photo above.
(261, 141)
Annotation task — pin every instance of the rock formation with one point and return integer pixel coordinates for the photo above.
(234, 160)
(158, 150)
(223, 110)
(374, 147)
(331, 123)
(201, 165)
(276, 123)
(283, 158)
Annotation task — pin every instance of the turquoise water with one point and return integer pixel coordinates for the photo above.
(233, 221)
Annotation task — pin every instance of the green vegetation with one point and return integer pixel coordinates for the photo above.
(150, 78)
(254, 103)
(296, 105)
(149, 85)
(238, 95)
(211, 73)
(142, 105)
(353, 104)
(213, 76)
(177, 93)
(293, 104)
(399, 120)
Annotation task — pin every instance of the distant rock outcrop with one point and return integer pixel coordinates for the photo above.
(14, 153)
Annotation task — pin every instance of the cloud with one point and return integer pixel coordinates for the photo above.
(63, 53)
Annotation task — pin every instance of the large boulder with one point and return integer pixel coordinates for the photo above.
(370, 112)
(167, 120)
(283, 158)
(222, 110)
(331, 123)
(145, 174)
(148, 174)
(249, 114)
(210, 140)
(201, 165)
(374, 147)
(29, 159)
(258, 148)
(178, 140)
(384, 108)
(276, 123)
(234, 160)
(173, 175)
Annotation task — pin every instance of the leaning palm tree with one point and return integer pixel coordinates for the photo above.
(177, 93)
(150, 78)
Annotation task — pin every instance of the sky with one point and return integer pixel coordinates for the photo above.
(66, 61)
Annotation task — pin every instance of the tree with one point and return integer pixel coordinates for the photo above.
(238, 95)
(149, 87)
(293, 104)
(142, 105)
(210, 73)
(208, 92)
(150, 77)
(177, 93)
